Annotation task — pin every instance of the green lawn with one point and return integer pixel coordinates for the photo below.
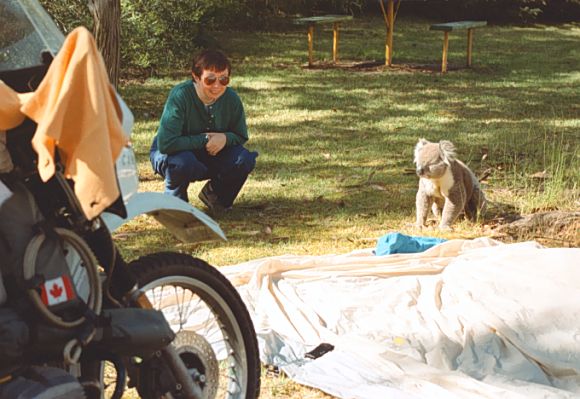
(336, 143)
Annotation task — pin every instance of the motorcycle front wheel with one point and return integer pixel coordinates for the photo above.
(215, 336)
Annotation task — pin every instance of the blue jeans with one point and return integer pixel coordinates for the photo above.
(227, 170)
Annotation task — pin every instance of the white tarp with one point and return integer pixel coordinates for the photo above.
(465, 319)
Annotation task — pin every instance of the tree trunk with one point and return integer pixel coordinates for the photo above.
(107, 32)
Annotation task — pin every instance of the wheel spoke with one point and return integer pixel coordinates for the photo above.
(214, 331)
(189, 307)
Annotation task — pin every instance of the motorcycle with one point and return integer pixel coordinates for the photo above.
(170, 324)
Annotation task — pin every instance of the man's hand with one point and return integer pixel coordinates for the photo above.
(215, 143)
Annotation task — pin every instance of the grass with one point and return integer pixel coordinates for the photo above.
(336, 143)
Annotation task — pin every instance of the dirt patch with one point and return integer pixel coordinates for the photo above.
(379, 66)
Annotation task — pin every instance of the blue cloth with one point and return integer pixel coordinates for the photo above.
(397, 243)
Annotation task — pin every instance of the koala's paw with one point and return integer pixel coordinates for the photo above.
(445, 227)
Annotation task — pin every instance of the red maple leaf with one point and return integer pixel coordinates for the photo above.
(56, 291)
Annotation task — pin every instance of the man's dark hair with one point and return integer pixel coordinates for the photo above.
(210, 59)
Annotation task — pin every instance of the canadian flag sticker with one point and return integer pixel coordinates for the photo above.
(57, 290)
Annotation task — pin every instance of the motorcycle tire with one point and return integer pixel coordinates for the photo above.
(215, 334)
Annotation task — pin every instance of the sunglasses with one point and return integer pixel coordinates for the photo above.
(210, 80)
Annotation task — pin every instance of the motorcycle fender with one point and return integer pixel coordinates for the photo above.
(184, 221)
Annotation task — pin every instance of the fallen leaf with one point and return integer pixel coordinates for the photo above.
(485, 174)
(251, 233)
(540, 175)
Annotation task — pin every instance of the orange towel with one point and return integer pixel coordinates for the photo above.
(10, 115)
(76, 109)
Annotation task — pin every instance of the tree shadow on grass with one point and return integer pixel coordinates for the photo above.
(379, 66)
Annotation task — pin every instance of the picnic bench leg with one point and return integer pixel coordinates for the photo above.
(445, 48)
(310, 44)
(390, 29)
(335, 42)
(469, 45)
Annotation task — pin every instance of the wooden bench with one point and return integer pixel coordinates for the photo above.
(311, 22)
(459, 25)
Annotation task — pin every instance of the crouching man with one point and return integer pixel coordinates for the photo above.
(201, 135)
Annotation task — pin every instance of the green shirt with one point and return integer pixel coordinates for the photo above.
(186, 119)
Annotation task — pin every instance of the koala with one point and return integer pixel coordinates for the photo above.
(446, 185)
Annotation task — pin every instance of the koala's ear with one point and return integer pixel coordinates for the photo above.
(447, 151)
(420, 144)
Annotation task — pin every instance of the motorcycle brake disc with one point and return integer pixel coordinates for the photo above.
(200, 359)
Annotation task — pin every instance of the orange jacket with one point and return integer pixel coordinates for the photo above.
(76, 110)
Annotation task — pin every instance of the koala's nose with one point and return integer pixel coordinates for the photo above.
(420, 171)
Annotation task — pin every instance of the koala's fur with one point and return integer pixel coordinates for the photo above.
(446, 185)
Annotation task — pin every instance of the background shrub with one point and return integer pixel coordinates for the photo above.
(162, 34)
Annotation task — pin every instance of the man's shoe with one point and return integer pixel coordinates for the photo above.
(210, 199)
